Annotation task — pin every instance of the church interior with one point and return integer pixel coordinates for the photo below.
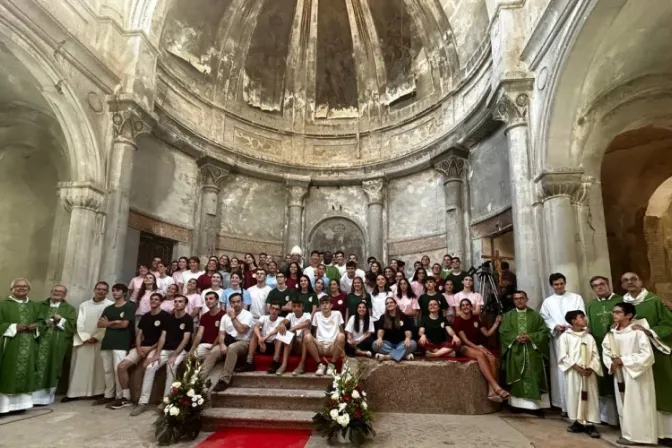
(533, 131)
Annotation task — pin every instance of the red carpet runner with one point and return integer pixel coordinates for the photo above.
(257, 438)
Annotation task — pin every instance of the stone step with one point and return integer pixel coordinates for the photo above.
(255, 398)
(216, 418)
(262, 380)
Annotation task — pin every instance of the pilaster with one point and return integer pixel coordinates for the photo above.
(452, 165)
(213, 174)
(297, 190)
(375, 192)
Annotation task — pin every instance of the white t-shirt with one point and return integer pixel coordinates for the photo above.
(294, 321)
(378, 305)
(267, 325)
(327, 327)
(346, 282)
(258, 298)
(188, 275)
(245, 318)
(358, 335)
(164, 283)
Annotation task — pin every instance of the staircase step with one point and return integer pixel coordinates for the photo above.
(255, 398)
(262, 380)
(216, 418)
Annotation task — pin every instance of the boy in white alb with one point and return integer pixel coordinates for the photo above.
(329, 339)
(263, 335)
(297, 322)
(258, 295)
(579, 359)
(628, 355)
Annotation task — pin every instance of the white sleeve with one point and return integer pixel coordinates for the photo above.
(82, 332)
(606, 353)
(546, 315)
(372, 328)
(10, 332)
(595, 363)
(640, 361)
(314, 320)
(61, 324)
(565, 361)
(248, 319)
(351, 324)
(222, 323)
(340, 318)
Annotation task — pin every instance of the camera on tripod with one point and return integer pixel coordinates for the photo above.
(487, 287)
(482, 270)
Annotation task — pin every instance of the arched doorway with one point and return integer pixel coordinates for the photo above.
(337, 233)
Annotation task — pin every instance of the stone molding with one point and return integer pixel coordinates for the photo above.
(297, 187)
(129, 119)
(228, 242)
(82, 195)
(375, 190)
(572, 184)
(212, 176)
(150, 224)
(416, 245)
(512, 102)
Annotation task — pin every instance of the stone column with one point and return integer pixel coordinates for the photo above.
(511, 107)
(375, 191)
(451, 166)
(212, 178)
(129, 121)
(297, 189)
(83, 202)
(560, 190)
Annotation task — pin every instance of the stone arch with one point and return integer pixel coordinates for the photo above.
(658, 235)
(337, 233)
(83, 156)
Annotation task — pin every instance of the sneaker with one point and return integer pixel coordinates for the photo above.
(121, 403)
(320, 369)
(331, 370)
(409, 357)
(102, 401)
(592, 432)
(247, 367)
(298, 371)
(280, 371)
(274, 367)
(139, 409)
(624, 441)
(575, 427)
(220, 386)
(368, 354)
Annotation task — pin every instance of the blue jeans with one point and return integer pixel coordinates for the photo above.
(396, 351)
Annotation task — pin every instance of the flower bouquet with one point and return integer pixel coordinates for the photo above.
(181, 417)
(346, 415)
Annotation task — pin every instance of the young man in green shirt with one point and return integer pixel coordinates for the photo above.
(333, 273)
(281, 295)
(432, 294)
(117, 319)
(456, 275)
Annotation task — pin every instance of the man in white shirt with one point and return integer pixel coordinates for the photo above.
(340, 262)
(258, 294)
(329, 339)
(553, 311)
(351, 272)
(314, 262)
(194, 272)
(163, 281)
(297, 322)
(263, 336)
(235, 330)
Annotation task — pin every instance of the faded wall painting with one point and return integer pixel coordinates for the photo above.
(334, 234)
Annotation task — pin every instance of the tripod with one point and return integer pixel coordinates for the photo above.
(487, 288)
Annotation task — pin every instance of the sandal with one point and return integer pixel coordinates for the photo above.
(495, 398)
(504, 395)
(409, 357)
(379, 357)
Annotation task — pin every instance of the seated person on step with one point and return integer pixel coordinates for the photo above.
(436, 337)
(235, 331)
(328, 340)
(264, 341)
(394, 334)
(207, 334)
(298, 323)
(360, 332)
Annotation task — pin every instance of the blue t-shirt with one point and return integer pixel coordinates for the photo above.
(247, 300)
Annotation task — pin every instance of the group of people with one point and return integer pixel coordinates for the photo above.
(233, 310)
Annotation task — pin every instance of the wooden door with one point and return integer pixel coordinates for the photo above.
(154, 246)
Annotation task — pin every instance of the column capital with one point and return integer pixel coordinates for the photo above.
(375, 190)
(452, 163)
(511, 102)
(297, 187)
(129, 118)
(212, 174)
(81, 195)
(572, 184)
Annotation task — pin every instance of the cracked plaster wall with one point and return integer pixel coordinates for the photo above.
(488, 178)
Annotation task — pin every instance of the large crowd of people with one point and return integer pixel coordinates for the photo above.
(608, 362)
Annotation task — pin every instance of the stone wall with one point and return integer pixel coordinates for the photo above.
(489, 180)
(165, 183)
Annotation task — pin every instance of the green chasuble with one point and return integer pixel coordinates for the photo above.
(332, 273)
(660, 321)
(600, 321)
(54, 342)
(18, 354)
(524, 363)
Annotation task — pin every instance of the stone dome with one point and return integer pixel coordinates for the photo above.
(336, 83)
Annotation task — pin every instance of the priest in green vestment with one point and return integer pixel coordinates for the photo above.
(600, 321)
(60, 322)
(659, 319)
(524, 339)
(19, 330)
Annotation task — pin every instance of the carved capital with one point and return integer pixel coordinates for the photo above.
(512, 102)
(82, 195)
(571, 184)
(375, 190)
(452, 163)
(129, 118)
(212, 176)
(297, 188)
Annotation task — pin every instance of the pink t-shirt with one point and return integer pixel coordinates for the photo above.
(474, 297)
(177, 276)
(134, 286)
(418, 288)
(407, 306)
(195, 301)
(143, 303)
(450, 298)
(168, 306)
